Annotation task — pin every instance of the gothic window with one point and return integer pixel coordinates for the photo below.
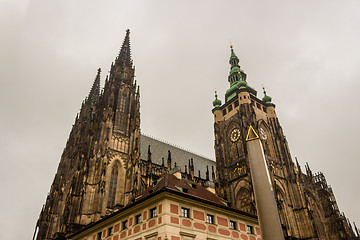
(112, 188)
(244, 201)
(122, 103)
(122, 110)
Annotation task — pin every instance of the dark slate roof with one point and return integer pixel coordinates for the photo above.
(159, 150)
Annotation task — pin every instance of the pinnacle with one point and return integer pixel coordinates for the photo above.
(95, 89)
(124, 57)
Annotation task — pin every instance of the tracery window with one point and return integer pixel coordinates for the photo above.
(122, 110)
(244, 201)
(113, 183)
(122, 104)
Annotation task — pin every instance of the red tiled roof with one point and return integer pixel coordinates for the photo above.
(185, 187)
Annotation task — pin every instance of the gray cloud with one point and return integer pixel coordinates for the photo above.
(305, 53)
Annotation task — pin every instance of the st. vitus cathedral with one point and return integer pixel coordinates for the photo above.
(107, 162)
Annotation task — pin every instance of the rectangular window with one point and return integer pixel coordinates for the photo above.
(224, 112)
(138, 219)
(232, 225)
(210, 218)
(258, 106)
(236, 103)
(185, 212)
(252, 103)
(124, 224)
(153, 212)
(110, 231)
(250, 229)
(98, 236)
(230, 108)
(264, 109)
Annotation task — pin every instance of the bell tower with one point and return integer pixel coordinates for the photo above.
(97, 173)
(297, 194)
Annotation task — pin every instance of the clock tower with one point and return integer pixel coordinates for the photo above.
(300, 199)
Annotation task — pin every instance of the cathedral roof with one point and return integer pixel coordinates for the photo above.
(159, 150)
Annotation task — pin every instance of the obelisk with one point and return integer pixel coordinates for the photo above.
(264, 196)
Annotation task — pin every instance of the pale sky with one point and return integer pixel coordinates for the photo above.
(306, 53)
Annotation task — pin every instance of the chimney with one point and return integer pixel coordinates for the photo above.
(176, 171)
(210, 186)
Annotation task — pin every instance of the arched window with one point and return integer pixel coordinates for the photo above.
(112, 188)
(244, 201)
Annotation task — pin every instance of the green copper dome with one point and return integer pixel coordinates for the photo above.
(266, 99)
(216, 102)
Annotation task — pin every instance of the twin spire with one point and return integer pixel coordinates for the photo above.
(123, 59)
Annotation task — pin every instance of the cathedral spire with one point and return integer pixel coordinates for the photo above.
(95, 89)
(124, 57)
(236, 74)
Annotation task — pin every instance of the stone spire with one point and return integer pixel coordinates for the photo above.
(94, 94)
(124, 57)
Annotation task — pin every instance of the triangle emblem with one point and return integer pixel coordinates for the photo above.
(251, 135)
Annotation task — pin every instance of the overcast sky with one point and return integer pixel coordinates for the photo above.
(306, 53)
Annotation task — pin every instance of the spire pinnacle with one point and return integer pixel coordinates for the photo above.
(216, 102)
(95, 89)
(266, 98)
(124, 57)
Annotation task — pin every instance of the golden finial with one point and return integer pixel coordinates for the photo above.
(231, 46)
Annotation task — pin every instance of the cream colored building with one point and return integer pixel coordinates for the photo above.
(174, 209)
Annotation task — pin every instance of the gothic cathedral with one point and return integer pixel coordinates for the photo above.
(107, 162)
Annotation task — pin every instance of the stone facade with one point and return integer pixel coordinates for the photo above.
(101, 169)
